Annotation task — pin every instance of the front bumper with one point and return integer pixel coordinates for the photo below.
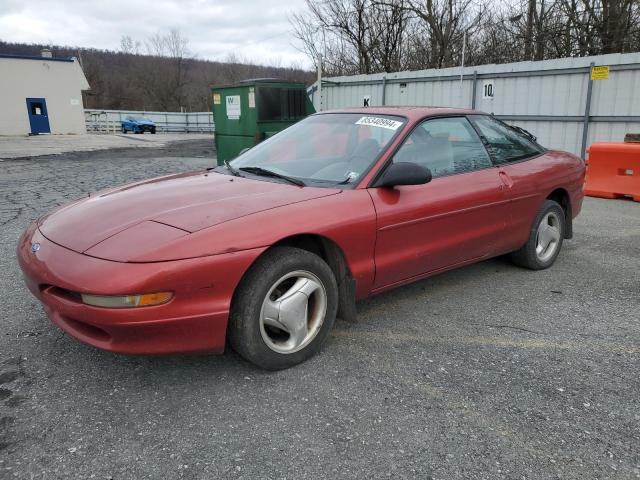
(145, 128)
(195, 320)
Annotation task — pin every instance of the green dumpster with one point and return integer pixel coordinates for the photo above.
(250, 111)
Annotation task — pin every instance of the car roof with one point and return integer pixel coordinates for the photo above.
(411, 112)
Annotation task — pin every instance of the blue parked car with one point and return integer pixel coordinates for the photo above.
(138, 125)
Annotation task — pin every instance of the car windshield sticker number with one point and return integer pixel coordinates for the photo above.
(379, 122)
(233, 107)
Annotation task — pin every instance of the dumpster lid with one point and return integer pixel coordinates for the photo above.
(263, 80)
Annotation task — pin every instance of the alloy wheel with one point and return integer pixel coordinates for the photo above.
(548, 237)
(293, 311)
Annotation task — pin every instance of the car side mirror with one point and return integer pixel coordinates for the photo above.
(404, 173)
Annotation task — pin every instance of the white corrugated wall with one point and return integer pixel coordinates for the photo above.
(547, 98)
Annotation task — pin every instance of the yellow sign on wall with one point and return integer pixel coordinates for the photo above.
(216, 98)
(600, 73)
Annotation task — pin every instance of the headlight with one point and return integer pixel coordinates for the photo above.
(127, 301)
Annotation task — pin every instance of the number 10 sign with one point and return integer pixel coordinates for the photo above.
(488, 90)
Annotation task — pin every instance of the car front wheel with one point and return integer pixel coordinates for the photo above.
(124, 130)
(283, 309)
(545, 238)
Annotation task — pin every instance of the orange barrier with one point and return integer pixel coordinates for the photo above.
(613, 170)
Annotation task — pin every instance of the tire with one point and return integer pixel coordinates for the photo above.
(124, 130)
(534, 254)
(285, 280)
(153, 131)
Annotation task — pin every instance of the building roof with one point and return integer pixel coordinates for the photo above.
(36, 57)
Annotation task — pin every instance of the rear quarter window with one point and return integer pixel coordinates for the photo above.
(504, 144)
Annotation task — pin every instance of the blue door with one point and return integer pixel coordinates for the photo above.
(38, 115)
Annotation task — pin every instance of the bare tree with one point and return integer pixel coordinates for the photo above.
(167, 82)
(446, 23)
(388, 35)
(365, 36)
(353, 36)
(129, 46)
(602, 26)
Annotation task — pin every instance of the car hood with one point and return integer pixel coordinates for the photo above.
(183, 203)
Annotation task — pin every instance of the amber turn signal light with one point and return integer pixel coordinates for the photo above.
(127, 301)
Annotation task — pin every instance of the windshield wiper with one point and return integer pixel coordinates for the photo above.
(231, 169)
(350, 176)
(270, 173)
(524, 132)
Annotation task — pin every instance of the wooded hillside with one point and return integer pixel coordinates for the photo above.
(167, 81)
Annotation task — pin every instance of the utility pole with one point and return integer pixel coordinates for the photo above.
(528, 36)
(464, 47)
(319, 81)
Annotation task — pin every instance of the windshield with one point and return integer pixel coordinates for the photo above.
(327, 148)
(140, 119)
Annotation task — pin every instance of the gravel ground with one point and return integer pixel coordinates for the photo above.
(486, 372)
(22, 146)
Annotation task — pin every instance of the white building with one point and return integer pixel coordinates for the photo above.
(41, 95)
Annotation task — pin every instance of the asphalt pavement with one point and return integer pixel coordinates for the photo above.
(486, 372)
(22, 146)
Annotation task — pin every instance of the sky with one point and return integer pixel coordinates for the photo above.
(254, 30)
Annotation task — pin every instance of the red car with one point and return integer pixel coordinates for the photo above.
(267, 250)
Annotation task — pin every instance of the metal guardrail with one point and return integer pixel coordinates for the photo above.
(109, 121)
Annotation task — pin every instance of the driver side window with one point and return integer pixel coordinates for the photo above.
(445, 146)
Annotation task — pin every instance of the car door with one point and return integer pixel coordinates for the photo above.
(455, 218)
(520, 167)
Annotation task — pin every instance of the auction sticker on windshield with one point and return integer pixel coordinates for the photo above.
(379, 122)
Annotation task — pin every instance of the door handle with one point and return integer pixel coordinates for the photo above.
(506, 179)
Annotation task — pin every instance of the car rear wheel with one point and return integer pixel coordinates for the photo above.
(124, 130)
(545, 238)
(283, 309)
